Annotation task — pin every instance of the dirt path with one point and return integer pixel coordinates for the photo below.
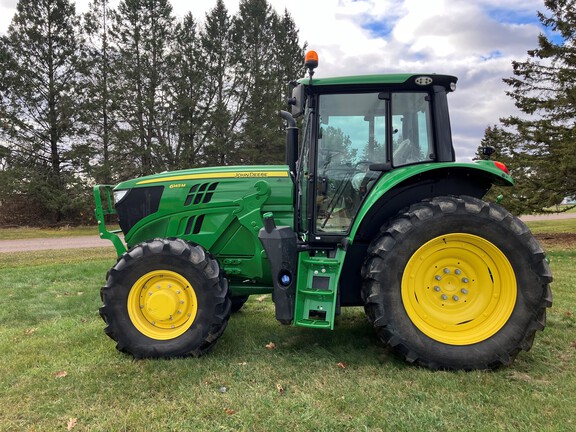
(551, 216)
(53, 243)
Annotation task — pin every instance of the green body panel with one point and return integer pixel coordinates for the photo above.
(230, 219)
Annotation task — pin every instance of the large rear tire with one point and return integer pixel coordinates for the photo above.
(165, 298)
(456, 283)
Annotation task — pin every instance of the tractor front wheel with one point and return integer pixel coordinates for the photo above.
(456, 283)
(165, 298)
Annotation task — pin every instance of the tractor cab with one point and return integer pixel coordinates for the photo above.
(355, 131)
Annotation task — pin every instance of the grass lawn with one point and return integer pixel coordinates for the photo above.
(59, 371)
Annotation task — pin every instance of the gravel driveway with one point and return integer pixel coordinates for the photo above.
(53, 243)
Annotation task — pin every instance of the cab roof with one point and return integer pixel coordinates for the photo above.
(409, 80)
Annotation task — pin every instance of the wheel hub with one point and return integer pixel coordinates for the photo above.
(459, 289)
(162, 304)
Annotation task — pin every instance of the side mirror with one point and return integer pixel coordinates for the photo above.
(298, 99)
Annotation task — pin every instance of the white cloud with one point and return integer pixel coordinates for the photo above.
(475, 41)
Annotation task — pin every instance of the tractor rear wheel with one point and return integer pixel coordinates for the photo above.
(456, 283)
(165, 298)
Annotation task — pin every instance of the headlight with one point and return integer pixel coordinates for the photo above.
(119, 194)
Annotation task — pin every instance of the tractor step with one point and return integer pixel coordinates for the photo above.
(317, 290)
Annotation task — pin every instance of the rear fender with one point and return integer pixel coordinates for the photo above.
(402, 187)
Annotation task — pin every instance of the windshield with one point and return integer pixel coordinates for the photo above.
(352, 134)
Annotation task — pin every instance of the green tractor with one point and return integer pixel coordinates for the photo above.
(371, 209)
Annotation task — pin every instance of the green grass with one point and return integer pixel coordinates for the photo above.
(553, 226)
(50, 327)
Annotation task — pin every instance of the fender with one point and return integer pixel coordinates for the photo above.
(452, 178)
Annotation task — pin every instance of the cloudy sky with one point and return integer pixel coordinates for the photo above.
(476, 40)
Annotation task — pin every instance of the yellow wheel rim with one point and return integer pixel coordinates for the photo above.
(459, 289)
(162, 304)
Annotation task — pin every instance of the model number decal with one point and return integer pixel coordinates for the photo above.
(177, 185)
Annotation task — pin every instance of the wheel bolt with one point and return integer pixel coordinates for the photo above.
(444, 297)
(464, 291)
(458, 271)
(455, 298)
(178, 292)
(437, 288)
(446, 270)
(465, 280)
(437, 277)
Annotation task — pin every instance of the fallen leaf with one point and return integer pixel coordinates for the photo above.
(30, 331)
(569, 314)
(60, 374)
(271, 345)
(521, 377)
(242, 364)
(573, 344)
(71, 423)
(230, 411)
(342, 365)
(261, 298)
(280, 389)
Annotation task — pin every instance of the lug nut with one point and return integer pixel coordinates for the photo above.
(465, 280)
(464, 291)
(437, 288)
(444, 297)
(458, 271)
(446, 270)
(437, 277)
(455, 298)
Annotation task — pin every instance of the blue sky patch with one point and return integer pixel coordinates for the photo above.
(380, 29)
(512, 16)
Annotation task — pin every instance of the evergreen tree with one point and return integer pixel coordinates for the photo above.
(223, 79)
(189, 104)
(142, 35)
(544, 88)
(99, 105)
(253, 36)
(40, 93)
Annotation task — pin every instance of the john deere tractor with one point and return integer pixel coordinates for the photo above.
(370, 209)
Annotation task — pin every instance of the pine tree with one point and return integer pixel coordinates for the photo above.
(223, 78)
(544, 89)
(99, 105)
(142, 35)
(268, 56)
(40, 93)
(189, 105)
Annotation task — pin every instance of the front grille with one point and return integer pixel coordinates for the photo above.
(137, 204)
